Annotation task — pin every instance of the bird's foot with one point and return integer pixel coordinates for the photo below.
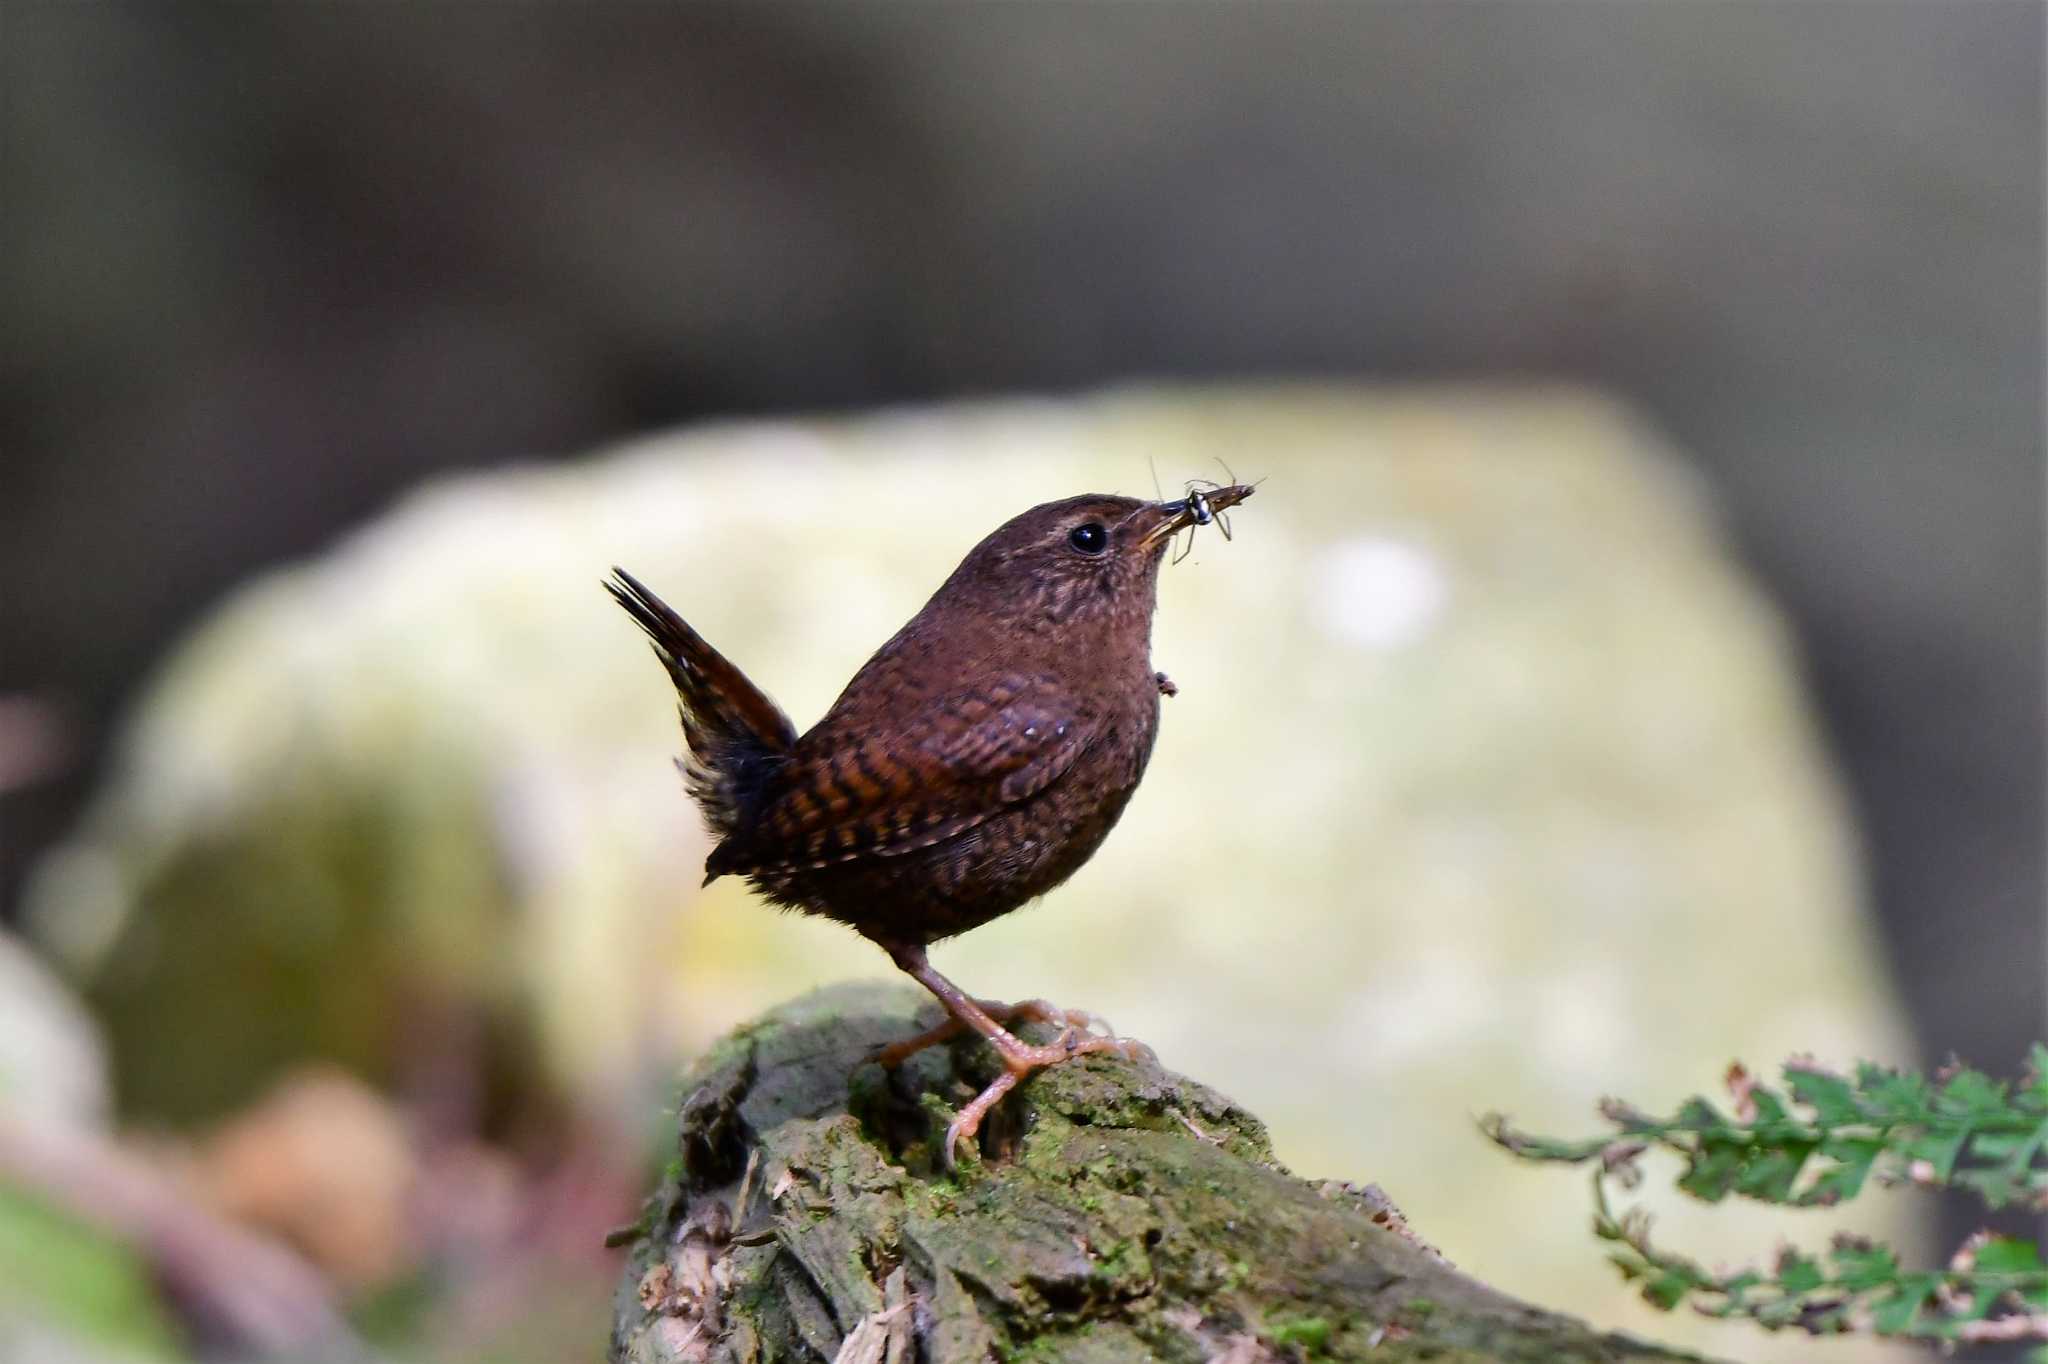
(1025, 1010)
(1021, 1060)
(1165, 683)
(1019, 1057)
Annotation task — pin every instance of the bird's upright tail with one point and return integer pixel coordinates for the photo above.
(736, 736)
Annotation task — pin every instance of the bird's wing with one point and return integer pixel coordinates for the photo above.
(965, 758)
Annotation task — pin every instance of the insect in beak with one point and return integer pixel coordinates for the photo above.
(1204, 503)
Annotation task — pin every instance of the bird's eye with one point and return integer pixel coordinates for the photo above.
(1089, 537)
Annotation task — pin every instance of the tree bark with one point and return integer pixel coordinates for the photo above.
(1119, 1213)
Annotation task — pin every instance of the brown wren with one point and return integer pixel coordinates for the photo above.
(974, 763)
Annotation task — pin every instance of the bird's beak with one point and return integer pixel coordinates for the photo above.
(1157, 522)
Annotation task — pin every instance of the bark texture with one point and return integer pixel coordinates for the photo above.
(1119, 1213)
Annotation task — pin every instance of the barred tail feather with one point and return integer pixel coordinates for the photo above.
(736, 736)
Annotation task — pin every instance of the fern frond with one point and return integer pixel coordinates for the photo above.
(1819, 1139)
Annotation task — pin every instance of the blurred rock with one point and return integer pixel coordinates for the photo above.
(1491, 785)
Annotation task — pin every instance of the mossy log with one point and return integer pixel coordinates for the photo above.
(1116, 1212)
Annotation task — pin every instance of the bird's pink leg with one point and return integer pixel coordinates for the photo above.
(1029, 1010)
(1020, 1059)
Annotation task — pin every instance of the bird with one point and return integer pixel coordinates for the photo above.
(974, 763)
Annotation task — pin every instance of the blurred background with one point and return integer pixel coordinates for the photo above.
(1634, 660)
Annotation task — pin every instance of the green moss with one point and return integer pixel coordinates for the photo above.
(1311, 1333)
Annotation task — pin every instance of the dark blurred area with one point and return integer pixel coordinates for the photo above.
(268, 265)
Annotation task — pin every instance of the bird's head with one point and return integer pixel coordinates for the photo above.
(1096, 556)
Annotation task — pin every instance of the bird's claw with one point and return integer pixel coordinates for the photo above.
(954, 1136)
(1020, 1061)
(1092, 1023)
(967, 1123)
(1080, 1021)
(1137, 1051)
(890, 1055)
